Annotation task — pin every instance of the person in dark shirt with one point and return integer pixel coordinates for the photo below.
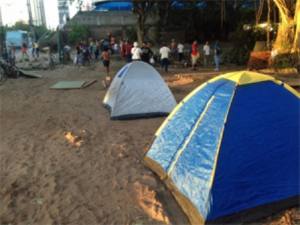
(105, 56)
(217, 56)
(86, 55)
(146, 53)
(127, 51)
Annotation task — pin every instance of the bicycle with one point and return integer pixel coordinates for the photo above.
(8, 69)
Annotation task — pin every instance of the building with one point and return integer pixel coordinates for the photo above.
(38, 12)
(63, 11)
(68, 9)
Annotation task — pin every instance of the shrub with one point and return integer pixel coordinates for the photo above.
(242, 44)
(285, 60)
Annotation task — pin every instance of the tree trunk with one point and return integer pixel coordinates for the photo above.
(141, 29)
(285, 34)
(296, 45)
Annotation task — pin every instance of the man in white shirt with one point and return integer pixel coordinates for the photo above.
(206, 50)
(180, 48)
(164, 57)
(136, 52)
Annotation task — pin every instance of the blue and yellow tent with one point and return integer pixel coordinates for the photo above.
(230, 150)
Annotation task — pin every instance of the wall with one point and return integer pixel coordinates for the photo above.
(100, 23)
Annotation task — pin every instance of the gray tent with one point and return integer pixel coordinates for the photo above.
(138, 91)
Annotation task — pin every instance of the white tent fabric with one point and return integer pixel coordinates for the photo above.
(138, 90)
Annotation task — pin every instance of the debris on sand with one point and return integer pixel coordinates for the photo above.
(72, 84)
(180, 81)
(73, 139)
(148, 202)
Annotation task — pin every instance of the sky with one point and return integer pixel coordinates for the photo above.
(16, 10)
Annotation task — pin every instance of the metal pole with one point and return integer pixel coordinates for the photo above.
(59, 48)
(30, 21)
(2, 40)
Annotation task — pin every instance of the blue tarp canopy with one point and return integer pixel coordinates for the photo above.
(113, 6)
(200, 4)
(127, 5)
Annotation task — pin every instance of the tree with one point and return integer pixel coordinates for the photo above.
(38, 30)
(296, 45)
(78, 32)
(164, 9)
(142, 8)
(287, 38)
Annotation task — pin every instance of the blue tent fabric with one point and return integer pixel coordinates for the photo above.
(230, 147)
(195, 167)
(172, 137)
(269, 157)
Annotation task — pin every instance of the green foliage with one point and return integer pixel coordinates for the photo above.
(203, 23)
(286, 60)
(131, 33)
(238, 56)
(242, 44)
(38, 30)
(78, 32)
(19, 25)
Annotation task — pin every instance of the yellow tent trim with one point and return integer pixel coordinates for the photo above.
(247, 77)
(193, 215)
(244, 77)
(292, 90)
(240, 77)
(153, 165)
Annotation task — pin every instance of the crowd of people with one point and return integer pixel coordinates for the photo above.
(167, 53)
(174, 52)
(95, 50)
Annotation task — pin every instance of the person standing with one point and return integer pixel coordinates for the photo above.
(136, 52)
(33, 50)
(112, 44)
(206, 49)
(12, 55)
(86, 55)
(164, 52)
(78, 56)
(37, 49)
(180, 48)
(173, 53)
(97, 50)
(217, 56)
(105, 56)
(127, 51)
(122, 48)
(146, 53)
(194, 54)
(24, 51)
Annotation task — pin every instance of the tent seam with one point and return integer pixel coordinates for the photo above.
(188, 139)
(210, 184)
(118, 92)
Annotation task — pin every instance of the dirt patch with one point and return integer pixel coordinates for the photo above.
(48, 179)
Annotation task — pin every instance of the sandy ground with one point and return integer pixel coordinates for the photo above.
(63, 161)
